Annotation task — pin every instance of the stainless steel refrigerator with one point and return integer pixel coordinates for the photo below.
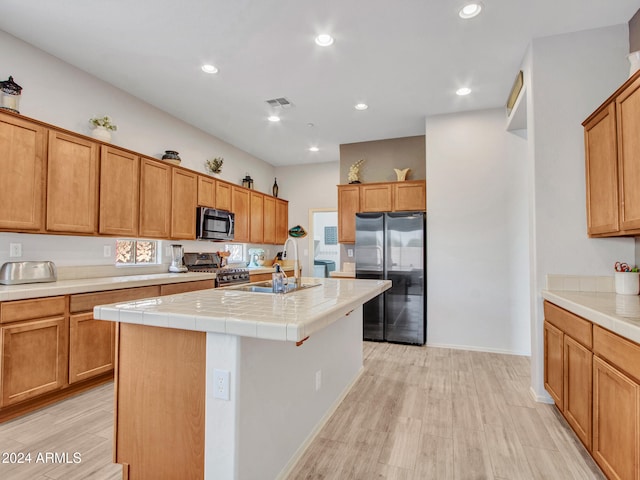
(391, 246)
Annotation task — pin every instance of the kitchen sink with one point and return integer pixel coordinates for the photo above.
(267, 287)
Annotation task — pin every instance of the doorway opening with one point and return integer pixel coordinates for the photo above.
(323, 242)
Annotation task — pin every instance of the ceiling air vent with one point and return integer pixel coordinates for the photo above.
(280, 103)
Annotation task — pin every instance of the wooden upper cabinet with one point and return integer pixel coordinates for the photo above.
(348, 206)
(240, 206)
(184, 197)
(72, 184)
(119, 192)
(269, 220)
(627, 108)
(282, 221)
(155, 199)
(601, 172)
(256, 222)
(376, 197)
(22, 182)
(223, 196)
(206, 191)
(409, 196)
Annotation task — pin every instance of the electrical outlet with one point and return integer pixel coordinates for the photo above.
(15, 249)
(349, 252)
(221, 384)
(107, 251)
(318, 380)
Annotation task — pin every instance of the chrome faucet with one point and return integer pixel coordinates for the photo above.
(295, 260)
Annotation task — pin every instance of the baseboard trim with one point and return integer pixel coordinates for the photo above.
(478, 349)
(314, 433)
(540, 398)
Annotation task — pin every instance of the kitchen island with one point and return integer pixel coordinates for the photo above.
(227, 384)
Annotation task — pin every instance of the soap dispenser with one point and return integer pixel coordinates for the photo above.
(277, 279)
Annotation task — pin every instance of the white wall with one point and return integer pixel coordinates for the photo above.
(571, 75)
(307, 187)
(62, 95)
(474, 222)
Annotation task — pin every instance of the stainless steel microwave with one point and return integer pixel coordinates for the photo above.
(212, 224)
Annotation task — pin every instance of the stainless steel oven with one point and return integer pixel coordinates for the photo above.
(212, 224)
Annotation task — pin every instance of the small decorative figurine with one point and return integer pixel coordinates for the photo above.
(10, 93)
(354, 172)
(401, 174)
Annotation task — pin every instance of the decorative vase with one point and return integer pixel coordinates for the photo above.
(634, 60)
(275, 188)
(171, 156)
(101, 133)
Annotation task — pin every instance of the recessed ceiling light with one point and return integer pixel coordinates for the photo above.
(274, 118)
(361, 106)
(324, 40)
(470, 10)
(313, 149)
(209, 69)
(463, 91)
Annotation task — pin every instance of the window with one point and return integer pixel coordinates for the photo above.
(136, 252)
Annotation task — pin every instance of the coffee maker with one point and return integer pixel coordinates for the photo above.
(177, 265)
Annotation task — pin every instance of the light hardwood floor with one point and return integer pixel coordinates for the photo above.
(432, 413)
(416, 413)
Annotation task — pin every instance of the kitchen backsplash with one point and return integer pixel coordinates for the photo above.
(580, 283)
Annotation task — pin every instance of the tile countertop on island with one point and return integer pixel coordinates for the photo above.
(84, 285)
(287, 317)
(617, 313)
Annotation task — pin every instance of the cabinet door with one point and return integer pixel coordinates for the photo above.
(34, 358)
(269, 220)
(155, 199)
(348, 206)
(72, 184)
(375, 198)
(223, 196)
(91, 346)
(206, 192)
(240, 206)
(628, 118)
(282, 221)
(184, 287)
(119, 192)
(602, 172)
(409, 196)
(22, 163)
(256, 223)
(615, 421)
(183, 204)
(578, 388)
(553, 363)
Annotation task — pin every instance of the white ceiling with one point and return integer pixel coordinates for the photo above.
(404, 58)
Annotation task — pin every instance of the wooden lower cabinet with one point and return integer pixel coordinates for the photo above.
(34, 358)
(578, 388)
(554, 363)
(91, 346)
(616, 402)
(184, 287)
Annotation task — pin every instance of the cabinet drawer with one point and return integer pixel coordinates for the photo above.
(574, 326)
(30, 309)
(86, 301)
(619, 351)
(185, 287)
